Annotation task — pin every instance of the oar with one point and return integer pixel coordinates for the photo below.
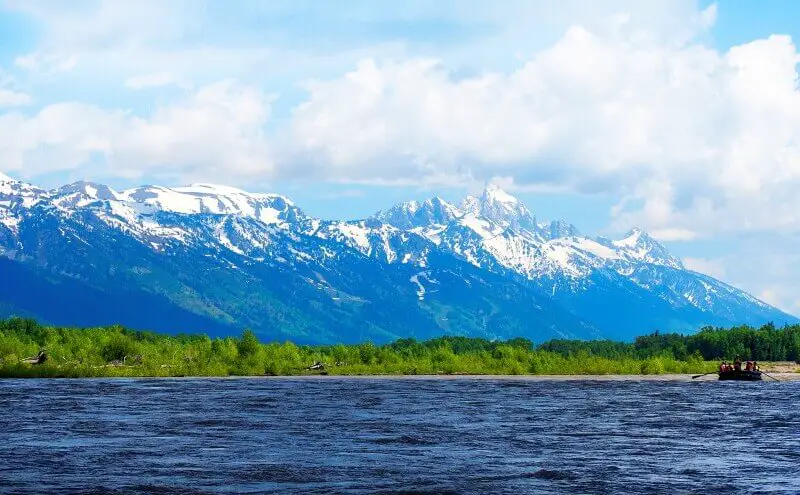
(770, 376)
(704, 374)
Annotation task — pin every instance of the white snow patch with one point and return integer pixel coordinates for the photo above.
(356, 233)
(480, 227)
(595, 248)
(629, 241)
(421, 291)
(494, 192)
(209, 198)
(420, 288)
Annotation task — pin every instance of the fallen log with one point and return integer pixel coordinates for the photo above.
(37, 359)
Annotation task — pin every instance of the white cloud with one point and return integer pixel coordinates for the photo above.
(10, 98)
(215, 132)
(621, 97)
(109, 24)
(696, 141)
(111, 40)
(769, 296)
(47, 63)
(626, 103)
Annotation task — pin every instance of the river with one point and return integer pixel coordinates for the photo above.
(357, 435)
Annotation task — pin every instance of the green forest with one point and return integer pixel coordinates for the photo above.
(28, 349)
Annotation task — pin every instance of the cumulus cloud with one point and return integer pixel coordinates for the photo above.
(47, 63)
(627, 102)
(215, 132)
(109, 24)
(11, 98)
(693, 140)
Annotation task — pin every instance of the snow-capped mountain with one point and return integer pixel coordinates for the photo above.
(220, 258)
(499, 207)
(414, 214)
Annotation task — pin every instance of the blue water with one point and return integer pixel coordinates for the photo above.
(398, 435)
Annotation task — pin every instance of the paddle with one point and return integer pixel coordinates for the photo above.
(704, 374)
(770, 376)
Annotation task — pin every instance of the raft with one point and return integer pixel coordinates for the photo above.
(741, 375)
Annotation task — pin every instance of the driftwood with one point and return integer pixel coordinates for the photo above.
(77, 362)
(37, 359)
(123, 363)
(317, 366)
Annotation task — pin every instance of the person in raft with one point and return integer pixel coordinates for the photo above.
(737, 364)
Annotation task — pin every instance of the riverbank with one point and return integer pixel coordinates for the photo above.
(780, 377)
(30, 350)
(784, 371)
(783, 377)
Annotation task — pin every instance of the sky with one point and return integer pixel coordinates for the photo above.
(681, 117)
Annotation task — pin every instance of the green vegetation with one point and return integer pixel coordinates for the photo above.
(767, 343)
(117, 351)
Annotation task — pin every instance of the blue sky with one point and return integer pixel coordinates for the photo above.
(678, 116)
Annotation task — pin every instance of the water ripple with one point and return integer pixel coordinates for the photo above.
(397, 436)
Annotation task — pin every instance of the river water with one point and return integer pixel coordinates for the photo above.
(398, 436)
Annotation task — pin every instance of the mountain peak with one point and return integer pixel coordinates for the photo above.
(639, 245)
(632, 237)
(412, 214)
(559, 229)
(501, 208)
(5, 178)
(215, 243)
(495, 193)
(90, 190)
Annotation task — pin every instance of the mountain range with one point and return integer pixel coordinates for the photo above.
(216, 259)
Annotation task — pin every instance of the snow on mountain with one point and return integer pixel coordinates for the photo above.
(376, 240)
(558, 229)
(214, 199)
(413, 214)
(81, 194)
(493, 233)
(19, 194)
(496, 232)
(499, 207)
(638, 246)
(16, 196)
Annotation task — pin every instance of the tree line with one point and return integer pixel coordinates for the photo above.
(118, 351)
(767, 343)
